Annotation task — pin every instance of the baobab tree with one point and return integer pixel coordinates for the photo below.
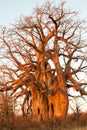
(42, 56)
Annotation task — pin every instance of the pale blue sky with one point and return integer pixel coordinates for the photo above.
(10, 10)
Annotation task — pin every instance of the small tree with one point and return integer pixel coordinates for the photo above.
(6, 107)
(52, 35)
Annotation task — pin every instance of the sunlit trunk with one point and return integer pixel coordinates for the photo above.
(39, 104)
(47, 105)
(60, 99)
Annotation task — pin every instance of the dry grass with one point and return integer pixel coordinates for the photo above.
(24, 123)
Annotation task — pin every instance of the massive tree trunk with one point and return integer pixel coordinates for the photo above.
(60, 98)
(49, 104)
(58, 101)
(49, 97)
(39, 103)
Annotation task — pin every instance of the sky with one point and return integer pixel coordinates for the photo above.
(11, 10)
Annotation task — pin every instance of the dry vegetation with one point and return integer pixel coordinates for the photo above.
(25, 123)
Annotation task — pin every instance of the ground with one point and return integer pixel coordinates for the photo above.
(72, 122)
